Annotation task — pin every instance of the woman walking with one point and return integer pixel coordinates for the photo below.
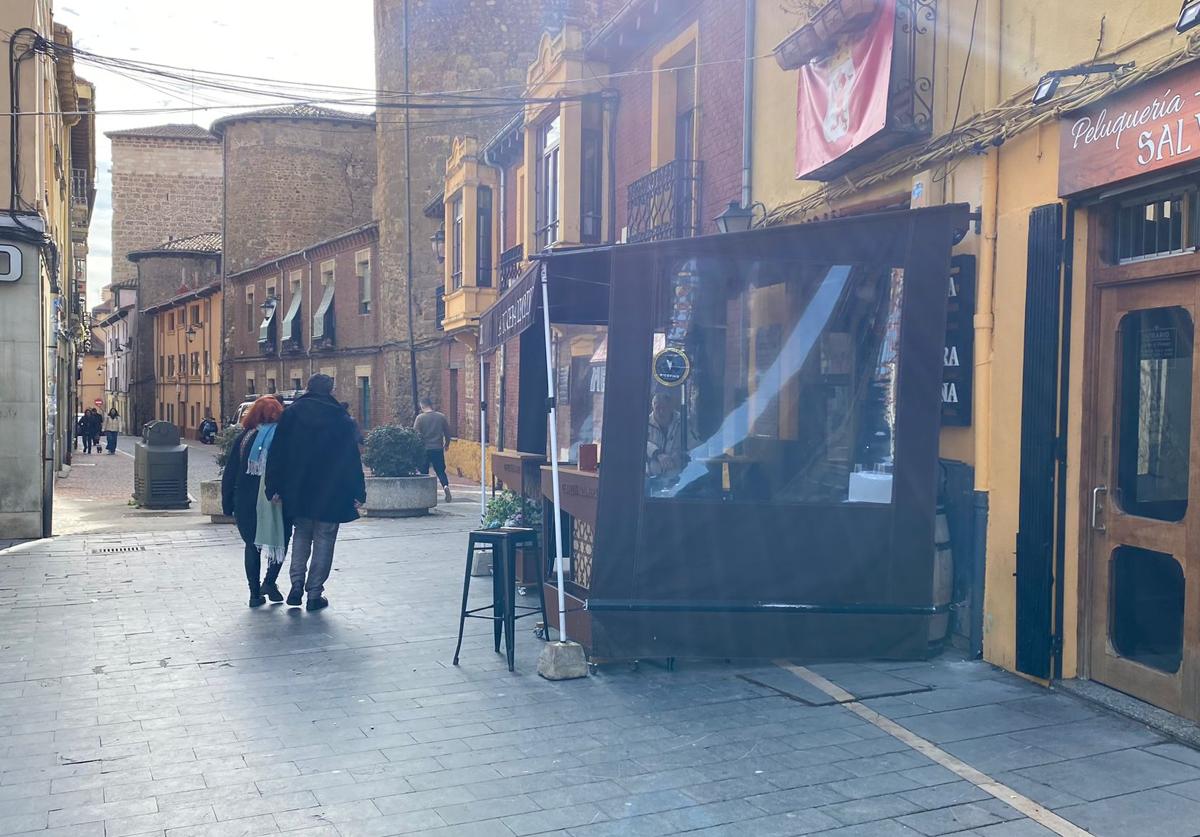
(260, 522)
(112, 426)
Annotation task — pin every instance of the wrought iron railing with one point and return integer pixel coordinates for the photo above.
(509, 268)
(666, 203)
(440, 306)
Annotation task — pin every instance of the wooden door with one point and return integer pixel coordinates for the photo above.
(1145, 577)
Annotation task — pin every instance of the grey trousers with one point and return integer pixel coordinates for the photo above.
(316, 538)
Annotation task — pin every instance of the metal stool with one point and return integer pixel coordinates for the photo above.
(503, 545)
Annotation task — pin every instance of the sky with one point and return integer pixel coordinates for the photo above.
(303, 41)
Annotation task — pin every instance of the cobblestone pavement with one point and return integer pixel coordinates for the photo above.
(139, 695)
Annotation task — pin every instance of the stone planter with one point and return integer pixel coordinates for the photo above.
(401, 496)
(210, 501)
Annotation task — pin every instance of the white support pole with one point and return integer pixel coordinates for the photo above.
(482, 443)
(551, 389)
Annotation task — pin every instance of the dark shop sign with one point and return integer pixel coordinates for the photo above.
(958, 363)
(512, 313)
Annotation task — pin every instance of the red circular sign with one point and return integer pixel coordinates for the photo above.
(99, 402)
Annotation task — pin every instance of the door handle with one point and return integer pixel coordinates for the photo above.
(1096, 492)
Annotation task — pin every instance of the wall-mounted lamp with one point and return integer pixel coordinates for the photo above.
(438, 240)
(738, 218)
(1048, 85)
(1189, 16)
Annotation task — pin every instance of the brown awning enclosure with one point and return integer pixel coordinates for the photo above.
(578, 288)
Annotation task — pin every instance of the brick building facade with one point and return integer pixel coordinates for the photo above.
(462, 45)
(164, 275)
(295, 176)
(651, 150)
(166, 183)
(307, 311)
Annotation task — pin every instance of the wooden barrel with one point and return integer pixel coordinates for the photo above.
(943, 578)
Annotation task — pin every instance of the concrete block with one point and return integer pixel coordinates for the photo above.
(562, 661)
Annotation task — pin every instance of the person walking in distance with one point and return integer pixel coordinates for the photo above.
(260, 522)
(95, 422)
(434, 430)
(315, 471)
(112, 427)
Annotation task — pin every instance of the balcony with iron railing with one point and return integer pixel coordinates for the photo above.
(509, 268)
(665, 203)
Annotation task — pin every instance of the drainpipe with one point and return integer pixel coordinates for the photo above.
(985, 321)
(748, 101)
(308, 311)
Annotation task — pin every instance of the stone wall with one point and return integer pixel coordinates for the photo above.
(162, 187)
(459, 45)
(292, 183)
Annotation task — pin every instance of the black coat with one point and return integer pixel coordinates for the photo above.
(314, 463)
(239, 490)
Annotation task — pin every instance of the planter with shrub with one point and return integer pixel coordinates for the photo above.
(396, 487)
(210, 490)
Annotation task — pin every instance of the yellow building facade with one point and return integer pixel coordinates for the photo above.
(187, 358)
(1082, 578)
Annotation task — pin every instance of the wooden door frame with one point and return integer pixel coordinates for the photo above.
(1101, 273)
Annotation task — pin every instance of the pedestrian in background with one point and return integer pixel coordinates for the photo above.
(434, 430)
(264, 529)
(316, 472)
(95, 424)
(112, 427)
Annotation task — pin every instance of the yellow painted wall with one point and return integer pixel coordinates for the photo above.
(1032, 37)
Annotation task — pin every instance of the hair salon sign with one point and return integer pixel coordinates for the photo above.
(1147, 128)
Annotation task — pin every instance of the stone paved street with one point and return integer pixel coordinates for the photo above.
(139, 695)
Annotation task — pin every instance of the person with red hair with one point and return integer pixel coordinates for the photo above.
(260, 522)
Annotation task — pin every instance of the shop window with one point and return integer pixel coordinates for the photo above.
(483, 238)
(1147, 607)
(251, 387)
(775, 381)
(1155, 413)
(547, 183)
(456, 244)
(580, 359)
(1162, 226)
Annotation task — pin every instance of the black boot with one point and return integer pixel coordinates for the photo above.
(271, 590)
(256, 597)
(295, 596)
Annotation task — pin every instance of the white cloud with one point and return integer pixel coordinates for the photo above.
(280, 39)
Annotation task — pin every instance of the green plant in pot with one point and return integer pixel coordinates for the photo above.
(393, 451)
(507, 508)
(224, 443)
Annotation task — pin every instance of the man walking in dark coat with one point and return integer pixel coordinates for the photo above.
(316, 471)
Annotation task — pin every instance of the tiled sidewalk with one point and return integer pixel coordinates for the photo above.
(139, 695)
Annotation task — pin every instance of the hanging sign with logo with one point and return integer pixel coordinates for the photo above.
(958, 362)
(1146, 128)
(843, 98)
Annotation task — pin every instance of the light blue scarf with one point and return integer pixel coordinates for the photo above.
(269, 534)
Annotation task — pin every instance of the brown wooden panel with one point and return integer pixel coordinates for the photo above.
(578, 491)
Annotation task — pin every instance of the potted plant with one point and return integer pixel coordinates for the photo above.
(210, 490)
(396, 487)
(507, 508)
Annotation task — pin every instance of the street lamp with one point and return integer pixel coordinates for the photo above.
(738, 218)
(438, 240)
(192, 331)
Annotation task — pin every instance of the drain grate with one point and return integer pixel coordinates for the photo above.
(112, 550)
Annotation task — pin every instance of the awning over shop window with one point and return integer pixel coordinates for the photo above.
(266, 329)
(579, 286)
